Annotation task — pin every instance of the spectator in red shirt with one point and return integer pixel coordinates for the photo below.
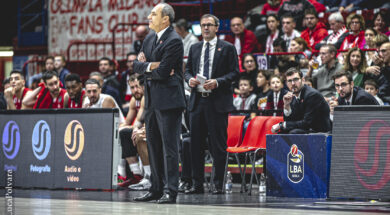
(271, 7)
(356, 26)
(243, 39)
(315, 30)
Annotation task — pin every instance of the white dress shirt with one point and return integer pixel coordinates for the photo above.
(213, 45)
(159, 34)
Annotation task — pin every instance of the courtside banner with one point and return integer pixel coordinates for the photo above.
(298, 165)
(361, 153)
(59, 148)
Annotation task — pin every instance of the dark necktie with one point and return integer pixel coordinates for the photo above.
(206, 61)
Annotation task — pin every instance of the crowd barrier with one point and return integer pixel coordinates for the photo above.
(72, 148)
(361, 153)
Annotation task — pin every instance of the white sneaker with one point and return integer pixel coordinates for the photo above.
(143, 185)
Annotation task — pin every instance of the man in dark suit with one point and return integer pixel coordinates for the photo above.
(305, 109)
(348, 93)
(161, 61)
(210, 102)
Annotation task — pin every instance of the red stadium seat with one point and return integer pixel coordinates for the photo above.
(234, 131)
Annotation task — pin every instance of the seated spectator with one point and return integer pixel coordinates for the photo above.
(271, 7)
(262, 82)
(246, 99)
(96, 99)
(125, 88)
(279, 46)
(296, 8)
(377, 60)
(305, 109)
(243, 39)
(371, 87)
(384, 55)
(323, 76)
(275, 98)
(339, 31)
(349, 6)
(49, 94)
(348, 93)
(250, 68)
(182, 28)
(369, 43)
(15, 94)
(75, 93)
(49, 66)
(110, 85)
(309, 82)
(356, 26)
(298, 44)
(315, 31)
(140, 33)
(382, 22)
(355, 63)
(273, 32)
(3, 101)
(59, 66)
(288, 28)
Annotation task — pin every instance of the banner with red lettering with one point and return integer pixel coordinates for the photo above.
(93, 22)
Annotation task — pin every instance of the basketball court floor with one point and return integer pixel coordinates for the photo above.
(37, 201)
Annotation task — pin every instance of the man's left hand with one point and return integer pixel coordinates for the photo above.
(275, 128)
(210, 84)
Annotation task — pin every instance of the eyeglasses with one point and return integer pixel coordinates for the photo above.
(293, 80)
(355, 23)
(342, 85)
(207, 25)
(130, 61)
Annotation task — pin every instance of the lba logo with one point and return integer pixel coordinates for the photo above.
(295, 167)
(11, 140)
(41, 140)
(74, 140)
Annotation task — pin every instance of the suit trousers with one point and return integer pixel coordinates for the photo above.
(205, 122)
(163, 137)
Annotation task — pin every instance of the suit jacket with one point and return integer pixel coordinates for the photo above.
(224, 70)
(360, 97)
(310, 113)
(163, 91)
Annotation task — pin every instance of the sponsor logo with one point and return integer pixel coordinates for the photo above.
(11, 140)
(295, 167)
(74, 140)
(371, 155)
(41, 140)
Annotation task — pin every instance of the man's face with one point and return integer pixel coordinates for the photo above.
(245, 88)
(93, 92)
(311, 21)
(53, 85)
(73, 88)
(104, 67)
(156, 20)
(130, 61)
(209, 28)
(384, 52)
(294, 83)
(237, 26)
(371, 89)
(335, 25)
(136, 90)
(17, 82)
(49, 65)
(326, 56)
(58, 62)
(343, 87)
(288, 25)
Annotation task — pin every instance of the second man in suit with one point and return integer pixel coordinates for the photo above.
(211, 101)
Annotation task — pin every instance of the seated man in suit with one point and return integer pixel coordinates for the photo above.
(305, 109)
(348, 93)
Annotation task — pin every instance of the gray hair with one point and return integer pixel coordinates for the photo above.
(167, 10)
(337, 17)
(96, 74)
(216, 20)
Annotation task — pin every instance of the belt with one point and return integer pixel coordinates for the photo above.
(205, 94)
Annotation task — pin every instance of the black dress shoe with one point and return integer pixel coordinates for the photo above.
(217, 192)
(183, 186)
(195, 190)
(148, 197)
(167, 199)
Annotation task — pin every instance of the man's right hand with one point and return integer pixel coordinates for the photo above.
(141, 57)
(287, 98)
(193, 82)
(9, 92)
